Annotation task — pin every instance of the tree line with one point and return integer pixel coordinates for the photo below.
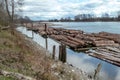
(88, 17)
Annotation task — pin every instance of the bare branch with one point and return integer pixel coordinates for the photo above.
(7, 9)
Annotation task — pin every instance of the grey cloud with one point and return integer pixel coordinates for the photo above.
(61, 8)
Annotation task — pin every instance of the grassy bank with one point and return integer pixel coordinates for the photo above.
(20, 54)
(13, 53)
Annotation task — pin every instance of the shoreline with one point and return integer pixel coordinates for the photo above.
(33, 60)
(68, 69)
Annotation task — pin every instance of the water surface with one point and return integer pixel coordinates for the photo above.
(90, 27)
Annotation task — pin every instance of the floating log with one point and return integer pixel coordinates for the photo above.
(85, 49)
(115, 37)
(105, 56)
(75, 32)
(76, 40)
(106, 59)
(105, 43)
(107, 52)
(43, 33)
(69, 44)
(113, 49)
(58, 37)
(108, 43)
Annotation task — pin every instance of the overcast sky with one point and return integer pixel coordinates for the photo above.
(48, 9)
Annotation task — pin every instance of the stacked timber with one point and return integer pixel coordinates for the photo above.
(75, 32)
(105, 43)
(98, 41)
(108, 54)
(86, 39)
(68, 40)
(50, 31)
(115, 37)
(76, 40)
(69, 44)
(42, 33)
(58, 37)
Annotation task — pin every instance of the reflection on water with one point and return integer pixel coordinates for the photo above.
(80, 60)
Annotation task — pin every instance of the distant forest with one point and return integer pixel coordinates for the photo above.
(88, 17)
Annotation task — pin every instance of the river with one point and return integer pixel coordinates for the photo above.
(80, 59)
(90, 27)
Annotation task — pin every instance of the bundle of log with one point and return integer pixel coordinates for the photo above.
(109, 54)
(111, 36)
(77, 38)
(105, 42)
(106, 45)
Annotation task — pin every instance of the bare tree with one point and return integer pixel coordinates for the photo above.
(2, 12)
(11, 6)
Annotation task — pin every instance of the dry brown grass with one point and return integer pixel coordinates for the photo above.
(21, 54)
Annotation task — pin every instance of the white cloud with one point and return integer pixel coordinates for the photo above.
(61, 8)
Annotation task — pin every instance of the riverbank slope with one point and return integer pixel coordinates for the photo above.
(19, 54)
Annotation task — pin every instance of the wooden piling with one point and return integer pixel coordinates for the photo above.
(32, 30)
(45, 27)
(64, 54)
(32, 34)
(53, 55)
(60, 52)
(46, 43)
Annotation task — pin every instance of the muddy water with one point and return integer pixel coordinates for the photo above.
(78, 59)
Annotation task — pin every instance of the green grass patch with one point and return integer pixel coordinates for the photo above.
(7, 78)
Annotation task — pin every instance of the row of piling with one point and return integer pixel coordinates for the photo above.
(62, 53)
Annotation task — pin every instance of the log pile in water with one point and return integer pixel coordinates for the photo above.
(109, 54)
(115, 37)
(106, 45)
(77, 38)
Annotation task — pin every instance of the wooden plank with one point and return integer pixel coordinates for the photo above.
(108, 53)
(105, 57)
(115, 49)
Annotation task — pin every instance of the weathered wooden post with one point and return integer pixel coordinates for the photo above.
(60, 52)
(45, 27)
(53, 55)
(64, 54)
(32, 30)
(46, 43)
